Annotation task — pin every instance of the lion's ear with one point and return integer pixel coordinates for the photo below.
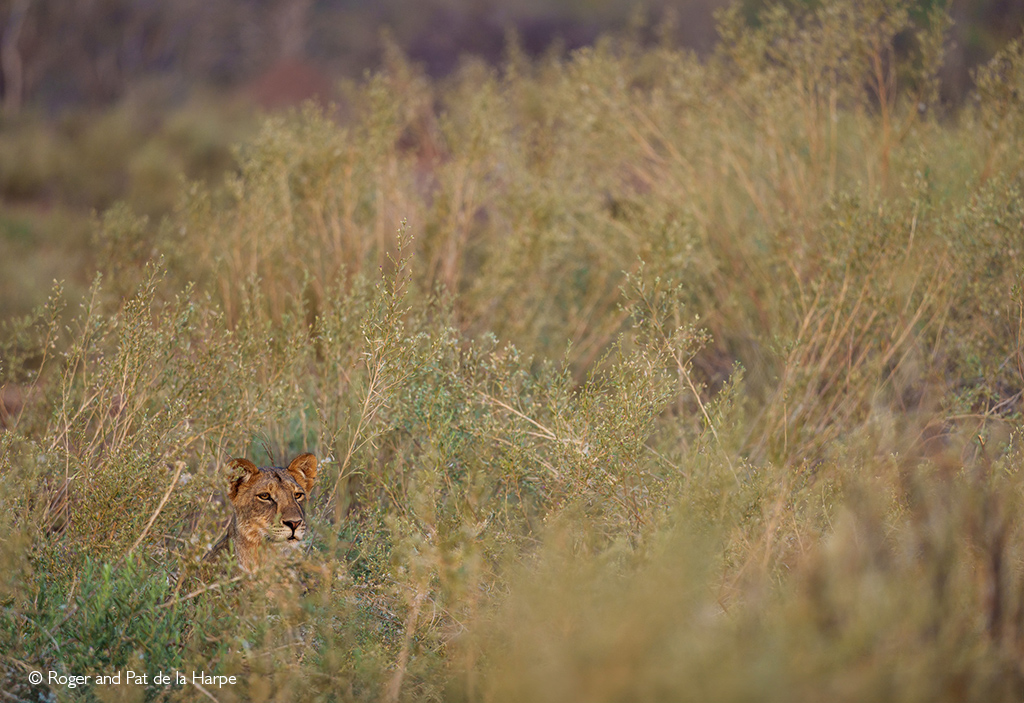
(249, 470)
(303, 470)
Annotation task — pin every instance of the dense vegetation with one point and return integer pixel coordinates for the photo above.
(634, 377)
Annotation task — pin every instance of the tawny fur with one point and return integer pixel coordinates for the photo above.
(269, 506)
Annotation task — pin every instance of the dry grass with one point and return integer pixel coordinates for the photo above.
(633, 377)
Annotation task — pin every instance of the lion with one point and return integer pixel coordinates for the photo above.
(269, 507)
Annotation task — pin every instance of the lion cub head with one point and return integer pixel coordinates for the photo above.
(269, 506)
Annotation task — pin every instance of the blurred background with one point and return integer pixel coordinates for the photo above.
(108, 100)
(60, 55)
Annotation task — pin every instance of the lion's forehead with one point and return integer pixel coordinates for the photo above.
(274, 478)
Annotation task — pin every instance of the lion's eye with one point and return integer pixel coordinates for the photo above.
(263, 496)
(300, 496)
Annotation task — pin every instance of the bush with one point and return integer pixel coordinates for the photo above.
(631, 376)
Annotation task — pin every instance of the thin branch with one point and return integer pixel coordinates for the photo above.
(545, 432)
(204, 589)
(201, 689)
(152, 518)
(394, 687)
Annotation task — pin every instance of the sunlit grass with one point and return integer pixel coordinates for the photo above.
(633, 377)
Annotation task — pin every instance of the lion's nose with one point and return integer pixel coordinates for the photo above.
(293, 524)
